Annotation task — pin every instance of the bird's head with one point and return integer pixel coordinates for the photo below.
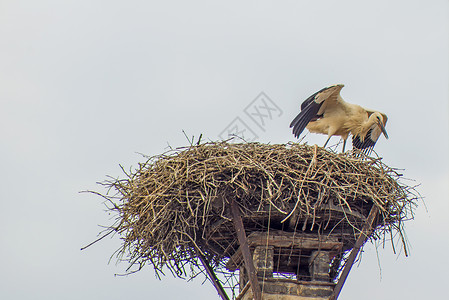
(380, 120)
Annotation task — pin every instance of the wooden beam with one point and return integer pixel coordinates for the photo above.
(355, 251)
(212, 276)
(234, 261)
(247, 257)
(282, 239)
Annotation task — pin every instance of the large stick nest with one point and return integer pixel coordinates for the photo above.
(176, 205)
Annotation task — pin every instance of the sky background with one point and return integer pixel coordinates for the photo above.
(88, 85)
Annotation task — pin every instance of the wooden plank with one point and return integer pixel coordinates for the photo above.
(247, 257)
(284, 239)
(355, 251)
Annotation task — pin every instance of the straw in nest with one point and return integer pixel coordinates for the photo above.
(176, 204)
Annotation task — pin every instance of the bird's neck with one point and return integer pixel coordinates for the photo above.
(367, 124)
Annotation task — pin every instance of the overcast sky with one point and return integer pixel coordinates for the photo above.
(87, 85)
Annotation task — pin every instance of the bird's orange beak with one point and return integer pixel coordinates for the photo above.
(382, 127)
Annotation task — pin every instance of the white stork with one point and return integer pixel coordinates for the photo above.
(326, 112)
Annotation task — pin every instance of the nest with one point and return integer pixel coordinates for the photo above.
(177, 204)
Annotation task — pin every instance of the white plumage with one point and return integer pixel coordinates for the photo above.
(327, 113)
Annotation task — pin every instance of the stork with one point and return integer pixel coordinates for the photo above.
(326, 112)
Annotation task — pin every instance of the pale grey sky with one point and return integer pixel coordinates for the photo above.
(85, 85)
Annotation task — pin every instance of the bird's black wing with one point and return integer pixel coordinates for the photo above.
(309, 111)
(304, 117)
(311, 98)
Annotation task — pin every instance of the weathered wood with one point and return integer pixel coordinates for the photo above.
(287, 289)
(243, 278)
(247, 257)
(355, 251)
(263, 257)
(282, 239)
(332, 207)
(212, 276)
(319, 263)
(234, 261)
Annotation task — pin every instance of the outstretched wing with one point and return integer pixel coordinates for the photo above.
(311, 108)
(366, 145)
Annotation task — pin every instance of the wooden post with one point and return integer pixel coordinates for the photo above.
(355, 251)
(263, 261)
(246, 253)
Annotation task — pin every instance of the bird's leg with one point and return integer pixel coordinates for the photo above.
(344, 144)
(327, 141)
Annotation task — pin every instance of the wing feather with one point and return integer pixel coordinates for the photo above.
(304, 117)
(367, 144)
(310, 108)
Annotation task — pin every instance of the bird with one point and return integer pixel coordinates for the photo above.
(326, 112)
